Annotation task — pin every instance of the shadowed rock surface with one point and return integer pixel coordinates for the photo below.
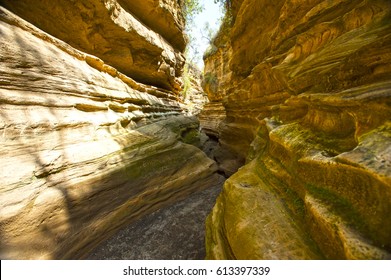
(173, 233)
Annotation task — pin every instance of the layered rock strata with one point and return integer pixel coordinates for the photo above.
(308, 106)
(84, 149)
(149, 51)
(216, 82)
(193, 95)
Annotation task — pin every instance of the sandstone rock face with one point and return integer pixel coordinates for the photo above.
(216, 82)
(162, 16)
(111, 30)
(308, 106)
(84, 148)
(193, 95)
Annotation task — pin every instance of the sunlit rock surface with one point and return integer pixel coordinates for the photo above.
(308, 105)
(193, 95)
(149, 51)
(84, 148)
(216, 82)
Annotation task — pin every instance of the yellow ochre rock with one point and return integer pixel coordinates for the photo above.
(84, 149)
(149, 51)
(308, 106)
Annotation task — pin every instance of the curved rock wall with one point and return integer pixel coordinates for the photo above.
(215, 81)
(308, 106)
(84, 148)
(112, 31)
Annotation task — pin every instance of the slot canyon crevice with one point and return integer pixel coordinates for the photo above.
(283, 153)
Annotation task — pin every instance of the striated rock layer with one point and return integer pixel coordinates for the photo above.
(216, 82)
(193, 95)
(84, 148)
(308, 105)
(149, 51)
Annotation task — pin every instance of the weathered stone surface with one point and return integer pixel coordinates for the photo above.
(216, 83)
(193, 95)
(176, 232)
(163, 16)
(216, 80)
(212, 114)
(308, 106)
(270, 233)
(84, 148)
(111, 30)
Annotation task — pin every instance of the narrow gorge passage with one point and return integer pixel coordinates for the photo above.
(104, 124)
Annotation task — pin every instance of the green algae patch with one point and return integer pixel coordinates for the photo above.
(340, 207)
(257, 224)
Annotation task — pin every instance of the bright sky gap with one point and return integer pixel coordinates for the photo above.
(212, 14)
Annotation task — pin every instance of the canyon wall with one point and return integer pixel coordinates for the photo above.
(92, 129)
(217, 76)
(306, 103)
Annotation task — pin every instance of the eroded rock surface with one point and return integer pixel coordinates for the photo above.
(84, 149)
(216, 82)
(173, 233)
(112, 31)
(307, 105)
(193, 95)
